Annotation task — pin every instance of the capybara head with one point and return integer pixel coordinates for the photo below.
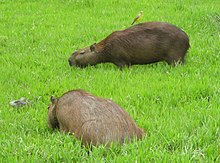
(52, 118)
(83, 57)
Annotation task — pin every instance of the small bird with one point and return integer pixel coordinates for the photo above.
(138, 17)
(18, 103)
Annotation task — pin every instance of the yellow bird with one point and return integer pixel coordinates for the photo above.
(138, 17)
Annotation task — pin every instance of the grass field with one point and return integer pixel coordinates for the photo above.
(177, 107)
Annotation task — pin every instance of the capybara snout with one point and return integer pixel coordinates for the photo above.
(70, 62)
(92, 119)
(143, 43)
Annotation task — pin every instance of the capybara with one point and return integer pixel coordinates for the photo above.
(140, 44)
(92, 119)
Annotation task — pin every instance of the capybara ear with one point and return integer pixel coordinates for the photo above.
(53, 99)
(92, 47)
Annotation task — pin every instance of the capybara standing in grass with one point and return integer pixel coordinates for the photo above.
(92, 119)
(140, 44)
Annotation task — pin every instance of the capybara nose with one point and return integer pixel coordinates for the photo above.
(70, 62)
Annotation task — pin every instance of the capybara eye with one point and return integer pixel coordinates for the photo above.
(82, 52)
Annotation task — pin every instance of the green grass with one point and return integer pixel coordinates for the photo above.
(177, 107)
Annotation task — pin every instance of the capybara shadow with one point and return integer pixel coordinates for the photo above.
(143, 43)
(92, 119)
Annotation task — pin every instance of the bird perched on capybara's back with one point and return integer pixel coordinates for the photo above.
(92, 119)
(140, 44)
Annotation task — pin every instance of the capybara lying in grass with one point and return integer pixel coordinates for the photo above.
(140, 44)
(92, 119)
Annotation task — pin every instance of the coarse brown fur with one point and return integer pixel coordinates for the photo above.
(92, 119)
(140, 44)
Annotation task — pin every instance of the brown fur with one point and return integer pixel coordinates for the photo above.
(140, 44)
(92, 119)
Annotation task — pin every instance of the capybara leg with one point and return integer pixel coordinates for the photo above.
(174, 58)
(121, 65)
(88, 148)
(174, 61)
